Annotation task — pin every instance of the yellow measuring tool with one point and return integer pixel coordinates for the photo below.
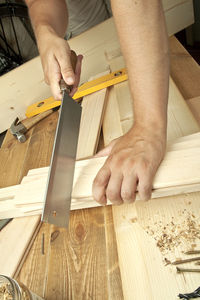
(85, 89)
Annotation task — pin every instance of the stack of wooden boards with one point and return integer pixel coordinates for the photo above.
(179, 173)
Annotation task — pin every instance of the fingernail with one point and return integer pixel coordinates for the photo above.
(69, 80)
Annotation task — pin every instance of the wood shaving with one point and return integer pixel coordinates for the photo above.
(173, 234)
(5, 293)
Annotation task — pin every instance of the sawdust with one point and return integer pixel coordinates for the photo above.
(5, 293)
(172, 235)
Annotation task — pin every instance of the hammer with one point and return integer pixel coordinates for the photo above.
(18, 129)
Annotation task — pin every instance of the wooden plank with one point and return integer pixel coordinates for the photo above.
(180, 119)
(82, 245)
(194, 105)
(38, 155)
(80, 257)
(112, 126)
(184, 70)
(186, 16)
(93, 107)
(19, 232)
(13, 237)
(113, 269)
(180, 168)
(36, 263)
(139, 256)
(18, 86)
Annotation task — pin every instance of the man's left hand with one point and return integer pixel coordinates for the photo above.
(132, 162)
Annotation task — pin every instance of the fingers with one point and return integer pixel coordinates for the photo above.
(64, 60)
(53, 78)
(129, 187)
(100, 184)
(113, 191)
(121, 187)
(56, 61)
(145, 184)
(77, 74)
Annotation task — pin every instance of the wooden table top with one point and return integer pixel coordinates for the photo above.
(80, 262)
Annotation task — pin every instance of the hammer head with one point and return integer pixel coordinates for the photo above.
(18, 130)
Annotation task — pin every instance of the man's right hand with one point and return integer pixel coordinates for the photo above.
(55, 56)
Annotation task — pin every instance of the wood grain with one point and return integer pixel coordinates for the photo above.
(93, 107)
(184, 70)
(140, 260)
(180, 118)
(14, 241)
(19, 231)
(194, 105)
(38, 154)
(80, 250)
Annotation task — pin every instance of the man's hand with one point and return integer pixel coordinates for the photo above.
(49, 19)
(55, 56)
(131, 166)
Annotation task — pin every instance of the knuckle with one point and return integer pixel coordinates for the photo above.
(145, 165)
(46, 79)
(127, 195)
(112, 195)
(115, 161)
(145, 188)
(67, 70)
(100, 179)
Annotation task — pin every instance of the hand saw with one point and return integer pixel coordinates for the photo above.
(61, 172)
(85, 89)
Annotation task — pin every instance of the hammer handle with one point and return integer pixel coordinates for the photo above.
(28, 123)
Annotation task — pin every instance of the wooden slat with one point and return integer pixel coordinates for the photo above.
(180, 119)
(18, 234)
(184, 70)
(194, 105)
(93, 107)
(38, 155)
(180, 169)
(186, 16)
(14, 241)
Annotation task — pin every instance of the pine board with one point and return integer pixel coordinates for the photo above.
(82, 245)
(180, 119)
(194, 105)
(143, 273)
(93, 107)
(22, 231)
(178, 172)
(184, 70)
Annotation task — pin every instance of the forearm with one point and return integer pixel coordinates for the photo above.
(144, 43)
(48, 17)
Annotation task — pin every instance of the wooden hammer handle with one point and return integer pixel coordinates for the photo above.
(30, 122)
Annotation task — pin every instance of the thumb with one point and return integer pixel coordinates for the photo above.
(107, 150)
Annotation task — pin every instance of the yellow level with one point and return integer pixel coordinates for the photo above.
(85, 89)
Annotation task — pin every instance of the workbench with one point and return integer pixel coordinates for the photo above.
(82, 262)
